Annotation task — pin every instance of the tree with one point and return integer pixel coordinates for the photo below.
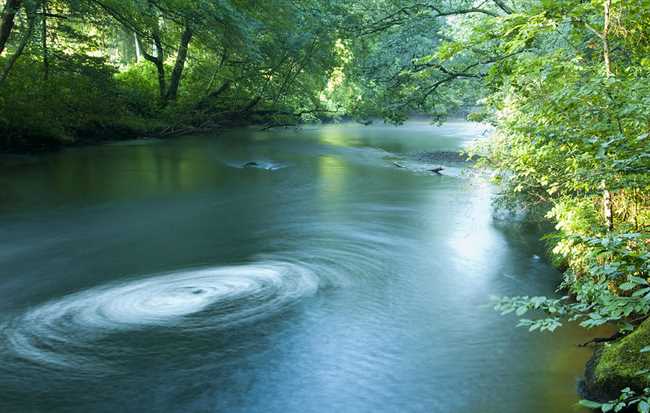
(9, 12)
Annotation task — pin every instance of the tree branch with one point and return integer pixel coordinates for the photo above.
(507, 9)
(401, 15)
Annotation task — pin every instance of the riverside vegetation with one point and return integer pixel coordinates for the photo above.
(566, 84)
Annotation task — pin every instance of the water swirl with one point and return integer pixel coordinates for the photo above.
(56, 332)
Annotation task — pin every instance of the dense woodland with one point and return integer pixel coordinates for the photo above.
(566, 84)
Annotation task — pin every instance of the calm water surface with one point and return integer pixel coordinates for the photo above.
(165, 277)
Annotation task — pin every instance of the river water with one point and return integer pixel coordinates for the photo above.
(167, 276)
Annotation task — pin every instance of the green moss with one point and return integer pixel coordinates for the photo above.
(620, 362)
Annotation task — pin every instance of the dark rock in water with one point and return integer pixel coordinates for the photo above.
(442, 156)
(436, 169)
(590, 388)
(261, 164)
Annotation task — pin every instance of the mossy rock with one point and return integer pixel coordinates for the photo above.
(615, 366)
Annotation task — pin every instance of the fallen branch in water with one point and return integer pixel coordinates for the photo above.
(179, 130)
(278, 125)
(599, 340)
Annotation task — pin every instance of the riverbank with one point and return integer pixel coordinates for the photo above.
(29, 139)
(28, 143)
(95, 101)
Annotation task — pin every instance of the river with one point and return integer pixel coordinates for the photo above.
(167, 276)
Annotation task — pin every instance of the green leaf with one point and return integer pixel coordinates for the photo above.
(641, 292)
(626, 286)
(590, 404)
(638, 280)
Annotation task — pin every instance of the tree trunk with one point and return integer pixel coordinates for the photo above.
(606, 12)
(251, 105)
(224, 86)
(224, 56)
(607, 210)
(175, 81)
(160, 69)
(158, 61)
(212, 96)
(7, 21)
(607, 196)
(27, 36)
(46, 61)
(160, 65)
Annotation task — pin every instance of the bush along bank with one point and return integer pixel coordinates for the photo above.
(572, 146)
(88, 100)
(602, 240)
(606, 282)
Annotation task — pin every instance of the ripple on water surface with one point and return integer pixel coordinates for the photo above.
(55, 333)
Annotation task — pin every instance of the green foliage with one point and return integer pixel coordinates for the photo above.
(138, 88)
(132, 66)
(394, 70)
(571, 131)
(80, 95)
(627, 400)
